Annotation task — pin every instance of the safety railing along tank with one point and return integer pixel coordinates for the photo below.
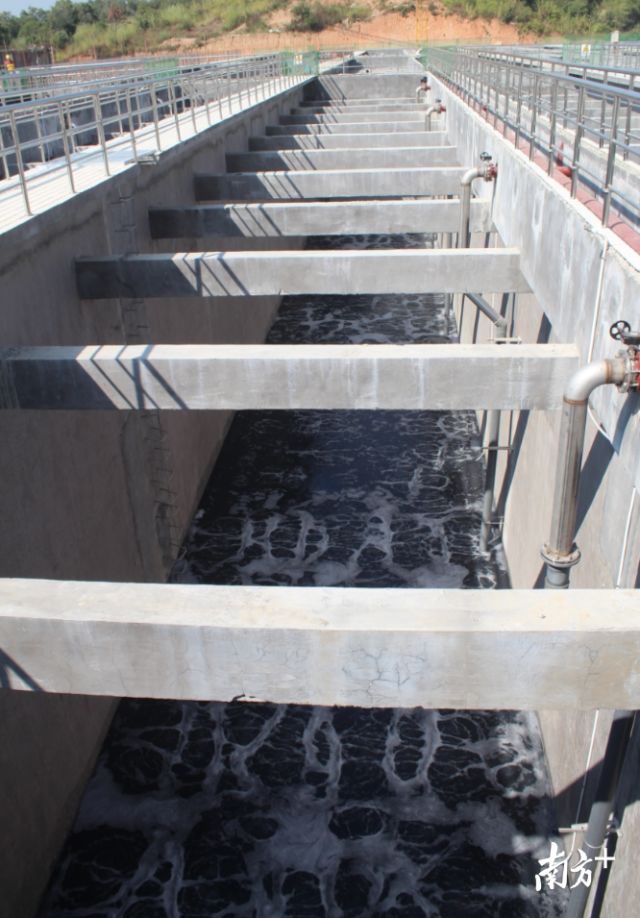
(592, 132)
(62, 131)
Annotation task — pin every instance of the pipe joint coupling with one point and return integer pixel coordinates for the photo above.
(490, 172)
(560, 560)
(631, 358)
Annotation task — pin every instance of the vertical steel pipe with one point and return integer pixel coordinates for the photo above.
(604, 801)
(560, 553)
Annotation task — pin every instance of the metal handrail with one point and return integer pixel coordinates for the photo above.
(64, 129)
(591, 129)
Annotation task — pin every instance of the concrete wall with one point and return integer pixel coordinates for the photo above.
(364, 86)
(87, 496)
(583, 278)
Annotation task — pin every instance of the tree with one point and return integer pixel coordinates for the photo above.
(63, 17)
(34, 28)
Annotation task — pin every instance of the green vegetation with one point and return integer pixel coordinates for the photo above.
(106, 28)
(582, 17)
(316, 16)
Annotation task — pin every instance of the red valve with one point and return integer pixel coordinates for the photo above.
(635, 369)
(566, 170)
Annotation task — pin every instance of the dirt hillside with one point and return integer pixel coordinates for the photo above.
(389, 28)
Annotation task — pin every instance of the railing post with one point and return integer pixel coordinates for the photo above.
(577, 142)
(534, 118)
(132, 132)
(19, 162)
(100, 129)
(173, 102)
(519, 109)
(156, 119)
(552, 126)
(603, 112)
(192, 102)
(65, 145)
(611, 163)
(627, 127)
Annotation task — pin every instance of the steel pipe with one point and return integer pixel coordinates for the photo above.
(604, 801)
(422, 90)
(492, 430)
(560, 553)
(486, 171)
(436, 109)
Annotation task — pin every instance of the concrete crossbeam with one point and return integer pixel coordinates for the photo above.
(413, 377)
(369, 117)
(314, 219)
(355, 183)
(399, 158)
(291, 273)
(348, 141)
(364, 103)
(387, 127)
(466, 649)
(319, 108)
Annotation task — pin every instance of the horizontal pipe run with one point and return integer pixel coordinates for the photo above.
(414, 377)
(353, 183)
(291, 273)
(468, 649)
(314, 219)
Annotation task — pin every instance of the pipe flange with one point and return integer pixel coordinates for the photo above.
(560, 560)
(631, 381)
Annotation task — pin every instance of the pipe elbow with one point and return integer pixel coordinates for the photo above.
(589, 377)
(470, 175)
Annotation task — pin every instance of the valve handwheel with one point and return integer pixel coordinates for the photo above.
(619, 330)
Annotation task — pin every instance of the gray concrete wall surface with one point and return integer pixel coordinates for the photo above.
(90, 496)
(583, 278)
(363, 86)
(382, 127)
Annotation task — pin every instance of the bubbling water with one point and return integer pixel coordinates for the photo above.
(201, 809)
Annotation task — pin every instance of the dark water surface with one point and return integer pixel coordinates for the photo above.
(200, 809)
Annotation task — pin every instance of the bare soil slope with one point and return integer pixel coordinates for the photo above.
(389, 28)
